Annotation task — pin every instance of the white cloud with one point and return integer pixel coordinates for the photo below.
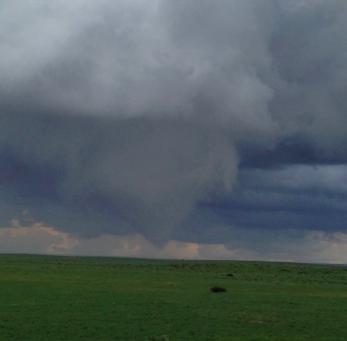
(314, 247)
(34, 239)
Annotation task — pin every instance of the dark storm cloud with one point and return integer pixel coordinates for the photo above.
(128, 113)
(294, 198)
(147, 172)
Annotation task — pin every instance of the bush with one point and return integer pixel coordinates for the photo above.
(218, 289)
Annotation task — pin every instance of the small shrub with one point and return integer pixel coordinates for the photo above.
(230, 274)
(218, 289)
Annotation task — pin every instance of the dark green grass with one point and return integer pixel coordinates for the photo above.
(74, 298)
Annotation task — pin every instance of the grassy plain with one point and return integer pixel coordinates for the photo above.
(74, 298)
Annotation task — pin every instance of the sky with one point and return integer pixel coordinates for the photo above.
(188, 129)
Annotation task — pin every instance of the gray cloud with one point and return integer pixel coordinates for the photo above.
(127, 114)
(148, 172)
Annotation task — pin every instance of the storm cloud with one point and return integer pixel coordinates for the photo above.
(174, 119)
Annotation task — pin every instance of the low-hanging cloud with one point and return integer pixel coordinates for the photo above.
(148, 172)
(129, 113)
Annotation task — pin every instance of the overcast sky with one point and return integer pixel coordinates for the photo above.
(174, 128)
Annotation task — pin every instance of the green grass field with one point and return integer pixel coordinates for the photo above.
(75, 298)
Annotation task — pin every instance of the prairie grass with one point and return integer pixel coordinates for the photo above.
(75, 298)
